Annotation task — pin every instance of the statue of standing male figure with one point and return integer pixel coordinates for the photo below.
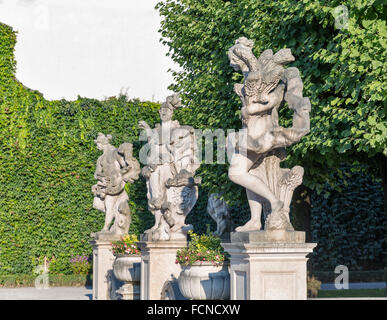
(169, 173)
(259, 148)
(115, 167)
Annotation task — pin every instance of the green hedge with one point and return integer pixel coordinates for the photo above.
(354, 276)
(56, 280)
(46, 199)
(47, 162)
(349, 226)
(352, 293)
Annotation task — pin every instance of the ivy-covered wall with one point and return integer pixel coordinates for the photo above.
(47, 162)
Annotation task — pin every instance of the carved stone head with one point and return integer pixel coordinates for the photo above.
(262, 75)
(102, 140)
(166, 110)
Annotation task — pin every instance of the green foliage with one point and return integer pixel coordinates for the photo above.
(313, 286)
(127, 245)
(354, 276)
(352, 293)
(81, 264)
(47, 154)
(201, 248)
(344, 74)
(348, 226)
(7, 59)
(47, 163)
(55, 280)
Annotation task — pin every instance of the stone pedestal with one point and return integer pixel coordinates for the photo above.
(104, 282)
(129, 291)
(268, 265)
(158, 267)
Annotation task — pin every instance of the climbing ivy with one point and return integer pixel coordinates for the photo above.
(47, 163)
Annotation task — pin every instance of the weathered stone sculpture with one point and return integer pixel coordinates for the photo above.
(169, 173)
(219, 211)
(115, 167)
(257, 153)
(275, 257)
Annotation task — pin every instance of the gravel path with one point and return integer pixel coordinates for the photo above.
(51, 293)
(85, 293)
(356, 285)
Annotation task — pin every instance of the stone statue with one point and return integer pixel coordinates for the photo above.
(259, 148)
(115, 167)
(219, 211)
(169, 173)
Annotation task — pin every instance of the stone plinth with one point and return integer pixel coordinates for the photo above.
(262, 268)
(129, 291)
(268, 236)
(104, 282)
(158, 268)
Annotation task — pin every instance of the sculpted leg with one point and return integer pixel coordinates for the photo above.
(158, 194)
(110, 212)
(154, 189)
(239, 173)
(158, 215)
(256, 209)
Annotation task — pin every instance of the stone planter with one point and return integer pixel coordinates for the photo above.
(127, 268)
(205, 282)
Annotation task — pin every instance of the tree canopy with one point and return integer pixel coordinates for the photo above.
(340, 50)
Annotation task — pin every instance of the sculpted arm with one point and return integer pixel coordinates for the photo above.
(301, 108)
(143, 125)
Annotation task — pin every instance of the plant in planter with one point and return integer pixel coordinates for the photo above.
(126, 246)
(127, 266)
(205, 273)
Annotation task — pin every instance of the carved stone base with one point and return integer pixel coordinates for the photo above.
(130, 291)
(104, 282)
(158, 267)
(267, 266)
(174, 235)
(268, 236)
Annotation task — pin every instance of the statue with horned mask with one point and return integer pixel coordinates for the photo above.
(259, 147)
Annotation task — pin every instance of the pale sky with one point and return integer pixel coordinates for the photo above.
(91, 48)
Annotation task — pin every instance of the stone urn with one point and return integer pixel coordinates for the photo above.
(205, 281)
(127, 268)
